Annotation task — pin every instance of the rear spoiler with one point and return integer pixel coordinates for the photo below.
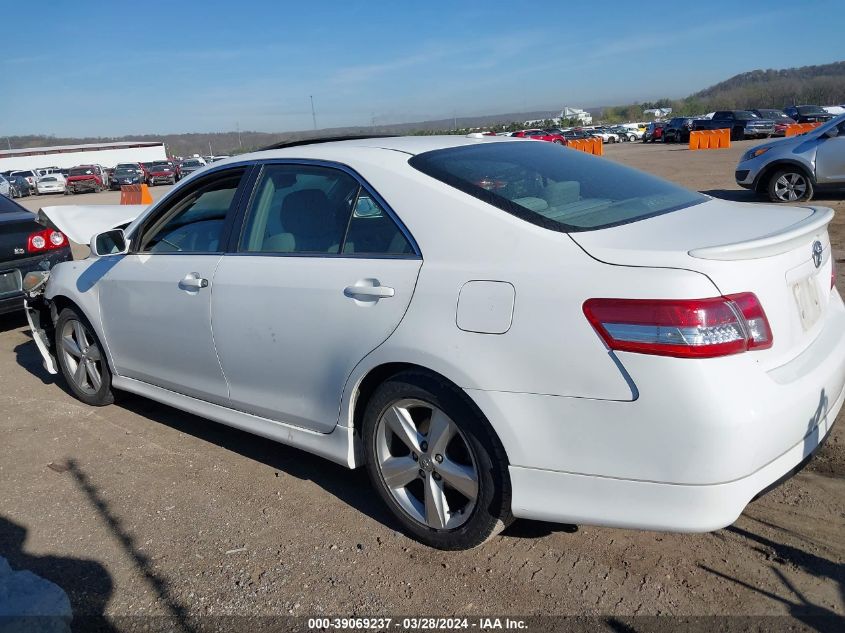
(80, 223)
(772, 244)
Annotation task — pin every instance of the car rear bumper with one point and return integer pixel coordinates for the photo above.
(12, 302)
(699, 442)
(646, 505)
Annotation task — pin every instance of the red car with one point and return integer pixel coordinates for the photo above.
(542, 135)
(161, 174)
(86, 178)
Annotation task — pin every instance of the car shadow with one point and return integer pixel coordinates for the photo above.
(814, 616)
(351, 487)
(12, 321)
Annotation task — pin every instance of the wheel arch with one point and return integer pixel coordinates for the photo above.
(377, 375)
(60, 301)
(767, 172)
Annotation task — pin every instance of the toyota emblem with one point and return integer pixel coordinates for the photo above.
(817, 253)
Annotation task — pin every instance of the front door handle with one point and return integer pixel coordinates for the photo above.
(368, 289)
(193, 281)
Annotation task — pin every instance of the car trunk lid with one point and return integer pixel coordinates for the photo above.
(764, 249)
(15, 228)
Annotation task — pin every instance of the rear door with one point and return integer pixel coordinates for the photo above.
(830, 158)
(321, 275)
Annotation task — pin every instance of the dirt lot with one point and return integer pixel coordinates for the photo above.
(147, 510)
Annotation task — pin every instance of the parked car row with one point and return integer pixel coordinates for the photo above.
(94, 178)
(743, 124)
(608, 134)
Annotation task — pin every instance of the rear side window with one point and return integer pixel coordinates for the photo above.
(554, 187)
(309, 209)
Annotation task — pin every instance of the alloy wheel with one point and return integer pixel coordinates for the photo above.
(427, 464)
(82, 357)
(790, 187)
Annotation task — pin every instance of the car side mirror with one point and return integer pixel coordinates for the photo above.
(111, 242)
(832, 132)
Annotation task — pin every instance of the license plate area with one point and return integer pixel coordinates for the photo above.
(808, 301)
(10, 283)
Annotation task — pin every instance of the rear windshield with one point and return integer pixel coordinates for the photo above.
(554, 187)
(81, 171)
(9, 206)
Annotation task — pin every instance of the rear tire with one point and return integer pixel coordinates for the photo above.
(81, 359)
(789, 185)
(466, 505)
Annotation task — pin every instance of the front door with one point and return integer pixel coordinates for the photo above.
(322, 276)
(155, 301)
(830, 158)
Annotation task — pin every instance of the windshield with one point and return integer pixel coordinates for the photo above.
(553, 187)
(191, 163)
(81, 171)
(811, 110)
(125, 171)
(744, 115)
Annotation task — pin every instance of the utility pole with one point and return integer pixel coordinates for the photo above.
(313, 112)
(210, 153)
(9, 143)
(238, 127)
(455, 116)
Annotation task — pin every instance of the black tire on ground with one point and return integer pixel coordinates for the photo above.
(782, 181)
(103, 395)
(491, 512)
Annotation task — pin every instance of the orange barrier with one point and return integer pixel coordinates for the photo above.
(710, 139)
(593, 146)
(135, 194)
(800, 128)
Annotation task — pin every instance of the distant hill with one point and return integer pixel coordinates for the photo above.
(244, 141)
(814, 85)
(818, 85)
(821, 85)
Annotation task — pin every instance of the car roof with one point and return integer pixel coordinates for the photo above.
(411, 145)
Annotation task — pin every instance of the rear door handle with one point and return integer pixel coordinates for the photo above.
(193, 281)
(369, 288)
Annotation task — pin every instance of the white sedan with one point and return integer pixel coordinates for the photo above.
(494, 328)
(51, 183)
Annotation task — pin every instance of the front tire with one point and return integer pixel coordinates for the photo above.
(435, 462)
(789, 185)
(81, 359)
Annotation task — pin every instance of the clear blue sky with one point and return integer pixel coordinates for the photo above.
(97, 68)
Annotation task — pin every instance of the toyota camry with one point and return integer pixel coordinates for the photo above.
(493, 328)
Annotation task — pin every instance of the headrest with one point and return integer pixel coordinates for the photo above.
(307, 212)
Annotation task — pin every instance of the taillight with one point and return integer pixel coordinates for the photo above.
(45, 240)
(684, 328)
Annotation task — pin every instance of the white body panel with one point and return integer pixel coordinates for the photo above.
(298, 335)
(160, 331)
(591, 436)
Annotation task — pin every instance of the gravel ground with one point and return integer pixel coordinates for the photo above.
(138, 509)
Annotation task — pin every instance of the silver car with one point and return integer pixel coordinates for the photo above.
(790, 169)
